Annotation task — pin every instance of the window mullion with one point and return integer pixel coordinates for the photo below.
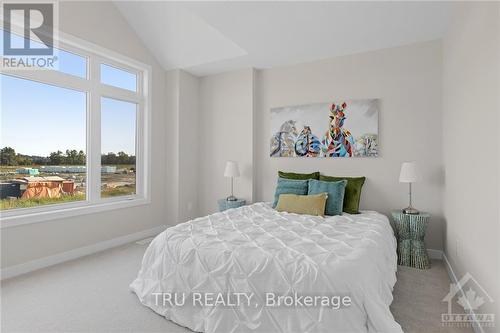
(144, 132)
(139, 151)
(52, 78)
(94, 139)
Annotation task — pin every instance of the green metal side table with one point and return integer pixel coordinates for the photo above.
(224, 204)
(410, 233)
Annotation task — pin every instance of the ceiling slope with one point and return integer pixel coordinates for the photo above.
(211, 37)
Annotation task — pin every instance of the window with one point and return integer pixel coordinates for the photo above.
(118, 122)
(74, 140)
(43, 138)
(118, 78)
(72, 64)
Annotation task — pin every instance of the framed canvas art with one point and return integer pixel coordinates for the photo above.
(345, 128)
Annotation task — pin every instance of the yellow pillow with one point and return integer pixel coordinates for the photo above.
(302, 204)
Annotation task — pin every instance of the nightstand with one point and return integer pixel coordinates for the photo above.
(224, 204)
(410, 233)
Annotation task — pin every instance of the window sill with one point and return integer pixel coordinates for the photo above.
(60, 211)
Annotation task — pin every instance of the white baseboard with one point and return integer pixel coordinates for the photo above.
(475, 326)
(435, 254)
(33, 265)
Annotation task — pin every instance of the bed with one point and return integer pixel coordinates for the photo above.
(256, 250)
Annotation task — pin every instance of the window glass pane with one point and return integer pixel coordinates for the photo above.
(43, 141)
(118, 131)
(67, 62)
(72, 64)
(118, 78)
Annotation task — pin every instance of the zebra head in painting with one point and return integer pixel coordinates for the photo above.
(338, 142)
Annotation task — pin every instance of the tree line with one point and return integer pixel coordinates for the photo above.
(9, 157)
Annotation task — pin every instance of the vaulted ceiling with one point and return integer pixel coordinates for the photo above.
(211, 37)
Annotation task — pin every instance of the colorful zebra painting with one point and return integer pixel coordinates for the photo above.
(307, 144)
(350, 127)
(338, 141)
(283, 141)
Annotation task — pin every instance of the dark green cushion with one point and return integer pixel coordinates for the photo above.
(298, 176)
(289, 186)
(335, 190)
(352, 194)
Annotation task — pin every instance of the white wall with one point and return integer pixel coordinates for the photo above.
(471, 145)
(189, 128)
(182, 144)
(407, 80)
(225, 133)
(171, 144)
(99, 23)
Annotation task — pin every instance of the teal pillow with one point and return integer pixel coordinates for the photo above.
(352, 194)
(298, 176)
(289, 186)
(335, 191)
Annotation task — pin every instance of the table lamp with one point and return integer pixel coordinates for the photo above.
(409, 174)
(231, 171)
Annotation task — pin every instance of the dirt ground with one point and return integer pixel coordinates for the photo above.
(123, 179)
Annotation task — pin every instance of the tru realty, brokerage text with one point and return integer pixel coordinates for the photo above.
(249, 299)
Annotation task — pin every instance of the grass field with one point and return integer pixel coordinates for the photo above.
(118, 191)
(34, 202)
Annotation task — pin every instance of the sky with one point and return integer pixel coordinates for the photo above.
(37, 119)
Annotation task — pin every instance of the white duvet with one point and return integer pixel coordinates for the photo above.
(256, 250)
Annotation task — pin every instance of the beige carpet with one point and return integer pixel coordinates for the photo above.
(417, 304)
(91, 295)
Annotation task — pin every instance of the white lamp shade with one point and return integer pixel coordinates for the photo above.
(232, 169)
(409, 173)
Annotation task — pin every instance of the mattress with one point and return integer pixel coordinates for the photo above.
(273, 259)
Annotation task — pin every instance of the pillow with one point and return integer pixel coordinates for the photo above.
(335, 192)
(298, 176)
(302, 204)
(289, 186)
(352, 194)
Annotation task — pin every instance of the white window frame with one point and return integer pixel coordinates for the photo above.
(93, 202)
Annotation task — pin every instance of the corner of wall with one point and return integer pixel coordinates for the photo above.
(471, 81)
(182, 145)
(226, 133)
(172, 145)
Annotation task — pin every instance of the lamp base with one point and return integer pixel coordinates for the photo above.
(410, 210)
(231, 198)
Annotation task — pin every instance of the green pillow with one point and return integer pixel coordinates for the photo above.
(289, 186)
(352, 194)
(298, 176)
(335, 191)
(302, 204)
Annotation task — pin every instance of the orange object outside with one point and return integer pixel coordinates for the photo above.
(68, 186)
(42, 190)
